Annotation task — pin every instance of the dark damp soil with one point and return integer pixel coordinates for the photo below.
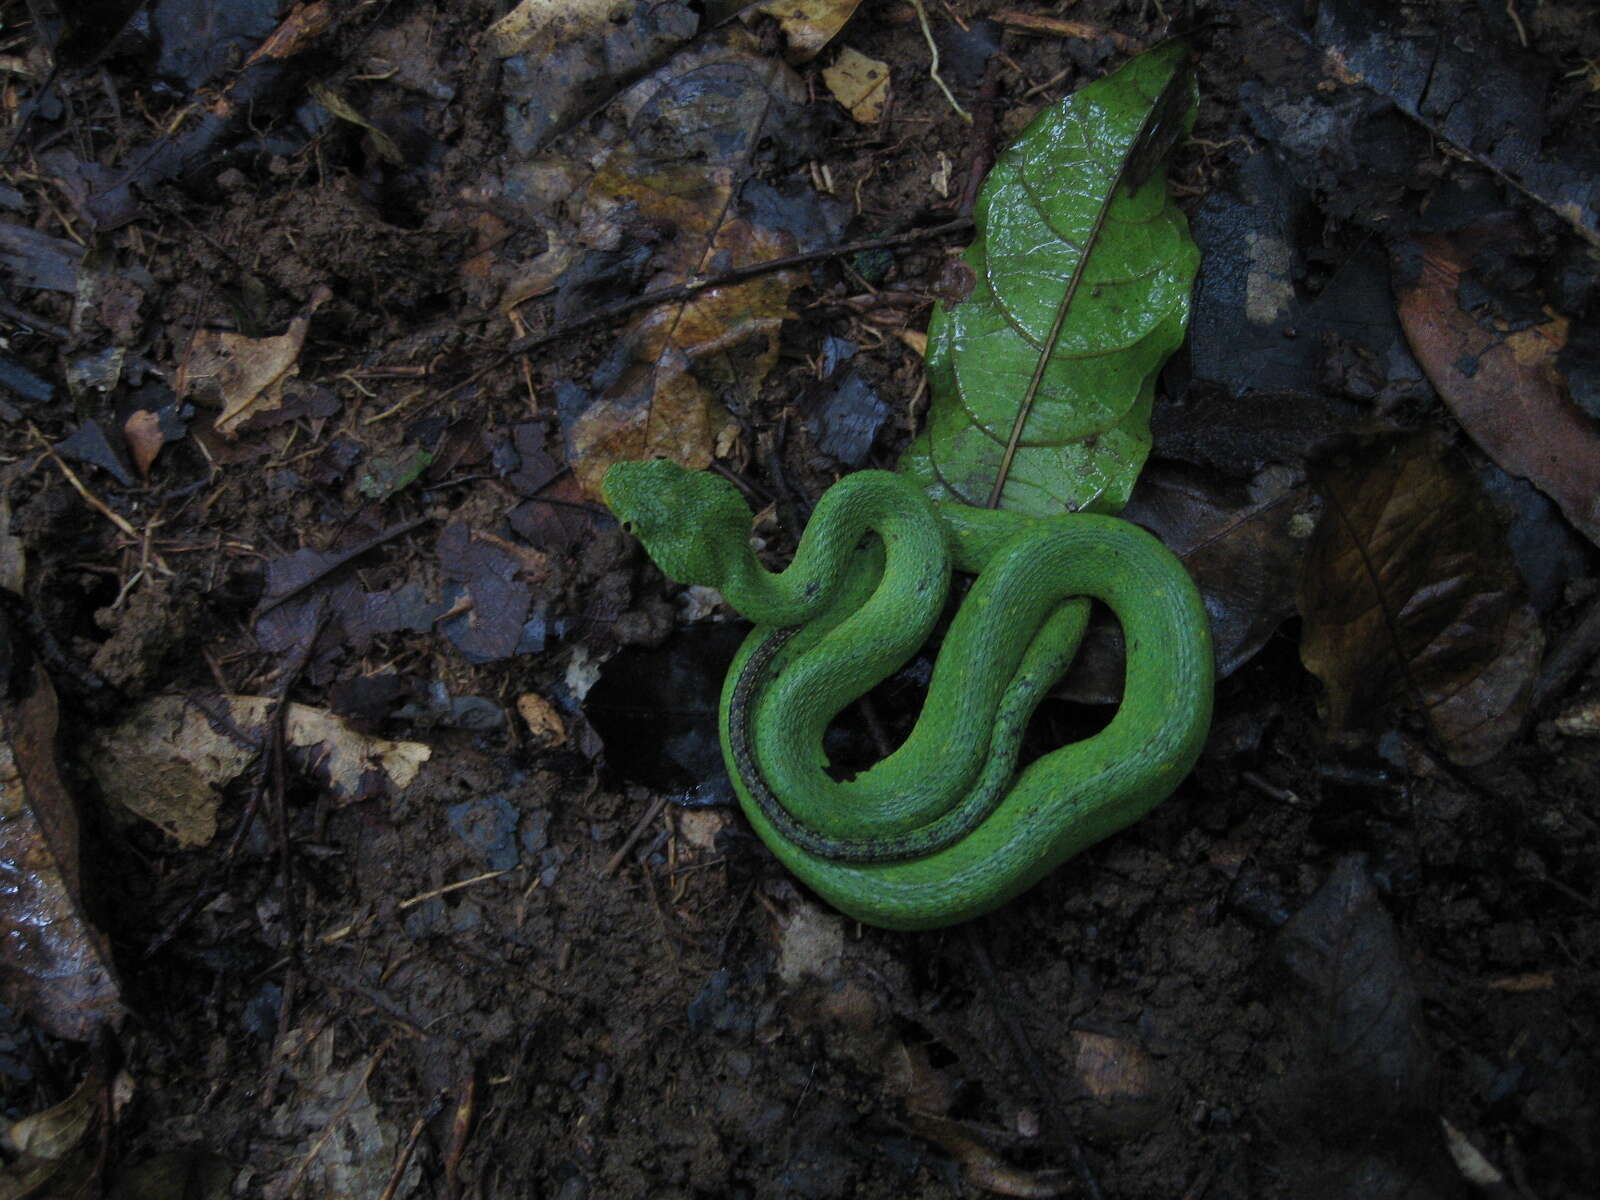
(1318, 969)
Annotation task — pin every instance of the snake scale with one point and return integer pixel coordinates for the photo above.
(946, 827)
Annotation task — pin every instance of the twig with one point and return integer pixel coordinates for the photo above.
(376, 540)
(423, 897)
(278, 736)
(933, 67)
(89, 498)
(680, 292)
(650, 815)
(357, 1090)
(403, 1159)
(461, 1125)
(1030, 1063)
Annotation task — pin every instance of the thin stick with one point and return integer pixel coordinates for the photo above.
(933, 67)
(650, 815)
(685, 291)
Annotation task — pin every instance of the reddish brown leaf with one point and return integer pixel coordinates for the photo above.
(1409, 591)
(57, 966)
(1503, 384)
(142, 430)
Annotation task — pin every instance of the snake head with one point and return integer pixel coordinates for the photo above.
(694, 524)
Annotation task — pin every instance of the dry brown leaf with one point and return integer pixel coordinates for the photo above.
(685, 360)
(1409, 591)
(55, 1132)
(342, 108)
(984, 1168)
(142, 432)
(672, 199)
(243, 375)
(1580, 719)
(55, 1152)
(166, 761)
(1503, 384)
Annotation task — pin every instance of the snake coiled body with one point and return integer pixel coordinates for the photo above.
(945, 827)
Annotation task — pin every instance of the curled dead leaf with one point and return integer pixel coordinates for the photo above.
(142, 431)
(546, 729)
(242, 375)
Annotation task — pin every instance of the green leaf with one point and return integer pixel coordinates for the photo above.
(1043, 377)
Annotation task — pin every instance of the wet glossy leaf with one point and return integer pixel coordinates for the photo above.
(1043, 375)
(1410, 594)
(57, 966)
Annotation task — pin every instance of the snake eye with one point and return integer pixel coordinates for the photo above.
(627, 527)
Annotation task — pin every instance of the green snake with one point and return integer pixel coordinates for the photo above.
(946, 827)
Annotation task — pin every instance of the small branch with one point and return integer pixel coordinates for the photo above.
(378, 539)
(933, 67)
(678, 293)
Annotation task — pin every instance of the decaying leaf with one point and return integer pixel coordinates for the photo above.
(1502, 383)
(1359, 1069)
(338, 1144)
(1409, 591)
(242, 375)
(859, 83)
(681, 362)
(809, 25)
(538, 27)
(672, 202)
(342, 108)
(57, 966)
(54, 1152)
(167, 762)
(985, 1169)
(1483, 102)
(545, 726)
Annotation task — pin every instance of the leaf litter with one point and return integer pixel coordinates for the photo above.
(553, 997)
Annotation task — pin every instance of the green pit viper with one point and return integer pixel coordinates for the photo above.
(945, 828)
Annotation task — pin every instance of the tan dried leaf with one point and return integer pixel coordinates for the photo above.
(859, 83)
(809, 25)
(142, 432)
(166, 762)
